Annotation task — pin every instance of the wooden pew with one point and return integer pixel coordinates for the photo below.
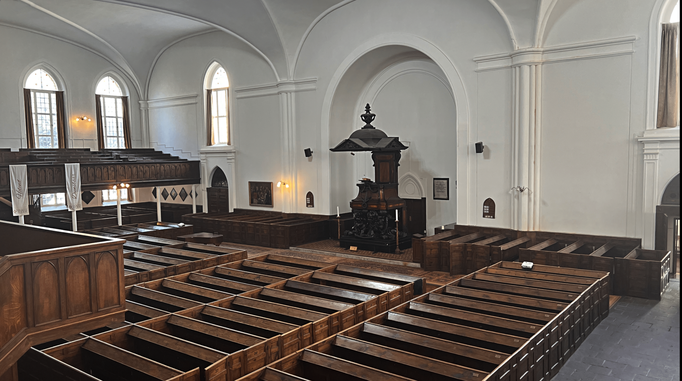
(159, 300)
(104, 361)
(185, 290)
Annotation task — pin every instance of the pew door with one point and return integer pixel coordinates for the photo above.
(416, 215)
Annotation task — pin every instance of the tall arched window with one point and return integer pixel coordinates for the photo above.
(217, 107)
(113, 121)
(44, 111)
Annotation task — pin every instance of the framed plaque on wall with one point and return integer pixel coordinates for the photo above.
(441, 188)
(260, 193)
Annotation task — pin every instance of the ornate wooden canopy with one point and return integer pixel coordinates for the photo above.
(139, 167)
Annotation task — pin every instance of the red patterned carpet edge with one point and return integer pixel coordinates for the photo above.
(332, 245)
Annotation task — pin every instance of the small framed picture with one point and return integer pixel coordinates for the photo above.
(260, 193)
(441, 188)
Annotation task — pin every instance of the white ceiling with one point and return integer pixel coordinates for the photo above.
(132, 33)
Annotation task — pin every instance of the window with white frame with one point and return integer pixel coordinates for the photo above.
(220, 126)
(110, 195)
(111, 110)
(44, 108)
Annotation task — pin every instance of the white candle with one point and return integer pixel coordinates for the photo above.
(396, 214)
(337, 212)
(442, 227)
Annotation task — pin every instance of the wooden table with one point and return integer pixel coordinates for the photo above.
(203, 237)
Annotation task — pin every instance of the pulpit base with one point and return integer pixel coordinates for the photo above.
(372, 244)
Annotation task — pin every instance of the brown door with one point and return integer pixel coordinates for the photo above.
(416, 216)
(217, 199)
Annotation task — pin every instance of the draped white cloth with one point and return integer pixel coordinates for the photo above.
(73, 186)
(18, 180)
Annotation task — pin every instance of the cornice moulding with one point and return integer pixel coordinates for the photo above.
(569, 52)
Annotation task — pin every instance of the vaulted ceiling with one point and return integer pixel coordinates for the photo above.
(132, 33)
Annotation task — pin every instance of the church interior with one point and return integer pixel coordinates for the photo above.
(339, 190)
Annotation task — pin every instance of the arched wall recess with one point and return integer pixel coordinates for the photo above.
(410, 187)
(333, 98)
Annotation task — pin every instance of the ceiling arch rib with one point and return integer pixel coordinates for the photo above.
(249, 21)
(118, 57)
(521, 17)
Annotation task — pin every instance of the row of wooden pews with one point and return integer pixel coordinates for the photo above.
(146, 258)
(222, 323)
(261, 228)
(499, 323)
(463, 249)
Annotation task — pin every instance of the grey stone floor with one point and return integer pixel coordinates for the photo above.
(639, 340)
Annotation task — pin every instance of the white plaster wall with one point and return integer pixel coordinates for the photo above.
(346, 31)
(593, 112)
(79, 68)
(492, 168)
(413, 101)
(177, 116)
(585, 135)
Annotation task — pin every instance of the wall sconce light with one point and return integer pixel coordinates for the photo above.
(308, 152)
(280, 184)
(83, 118)
(121, 185)
(479, 147)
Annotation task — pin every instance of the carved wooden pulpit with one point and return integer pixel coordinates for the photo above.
(377, 204)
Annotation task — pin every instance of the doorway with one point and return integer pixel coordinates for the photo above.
(218, 193)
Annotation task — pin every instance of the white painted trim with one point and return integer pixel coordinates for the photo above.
(293, 86)
(179, 100)
(309, 30)
(542, 22)
(559, 53)
(506, 21)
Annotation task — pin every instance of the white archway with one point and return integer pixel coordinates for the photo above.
(400, 43)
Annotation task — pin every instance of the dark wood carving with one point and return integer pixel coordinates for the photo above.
(51, 287)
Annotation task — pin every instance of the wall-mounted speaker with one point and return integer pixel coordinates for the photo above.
(479, 147)
(308, 152)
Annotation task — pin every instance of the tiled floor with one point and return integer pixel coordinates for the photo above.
(639, 340)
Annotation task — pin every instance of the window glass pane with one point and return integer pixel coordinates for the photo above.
(222, 128)
(44, 125)
(48, 199)
(124, 194)
(120, 126)
(61, 199)
(121, 143)
(222, 102)
(44, 142)
(40, 79)
(220, 79)
(109, 106)
(108, 86)
(42, 105)
(111, 143)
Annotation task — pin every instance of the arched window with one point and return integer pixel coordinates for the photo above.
(217, 107)
(113, 121)
(44, 111)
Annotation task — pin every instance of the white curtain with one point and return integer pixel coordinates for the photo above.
(19, 188)
(73, 186)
